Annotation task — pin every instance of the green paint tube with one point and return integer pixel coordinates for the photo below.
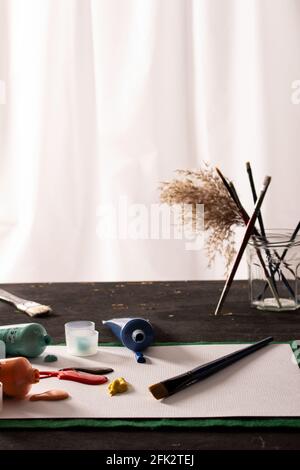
(28, 339)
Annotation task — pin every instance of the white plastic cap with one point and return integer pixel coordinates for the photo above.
(2, 350)
(1, 396)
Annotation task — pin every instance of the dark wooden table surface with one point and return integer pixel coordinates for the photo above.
(179, 311)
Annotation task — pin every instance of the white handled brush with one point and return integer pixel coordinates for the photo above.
(31, 308)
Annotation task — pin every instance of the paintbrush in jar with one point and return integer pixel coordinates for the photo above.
(232, 192)
(247, 235)
(263, 236)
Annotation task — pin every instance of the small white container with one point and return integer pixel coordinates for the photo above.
(81, 338)
(2, 350)
(1, 396)
(2, 356)
(79, 325)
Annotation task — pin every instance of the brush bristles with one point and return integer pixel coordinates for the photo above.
(33, 309)
(248, 166)
(38, 310)
(159, 391)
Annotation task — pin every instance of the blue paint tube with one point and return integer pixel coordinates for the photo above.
(136, 334)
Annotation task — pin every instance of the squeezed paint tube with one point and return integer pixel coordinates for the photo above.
(136, 334)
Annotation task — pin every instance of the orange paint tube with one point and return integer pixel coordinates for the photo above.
(17, 376)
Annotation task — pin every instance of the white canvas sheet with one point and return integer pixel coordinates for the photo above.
(267, 383)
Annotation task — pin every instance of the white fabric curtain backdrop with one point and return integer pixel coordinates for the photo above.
(106, 98)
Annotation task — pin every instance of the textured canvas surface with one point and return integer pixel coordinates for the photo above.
(265, 384)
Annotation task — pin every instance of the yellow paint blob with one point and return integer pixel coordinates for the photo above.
(118, 385)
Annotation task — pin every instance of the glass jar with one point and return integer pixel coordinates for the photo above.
(274, 270)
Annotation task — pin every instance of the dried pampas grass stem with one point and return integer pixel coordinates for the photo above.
(221, 213)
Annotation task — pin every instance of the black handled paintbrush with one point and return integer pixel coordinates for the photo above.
(247, 235)
(263, 235)
(180, 382)
(254, 195)
(234, 196)
(90, 370)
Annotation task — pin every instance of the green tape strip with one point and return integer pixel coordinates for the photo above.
(150, 423)
(197, 423)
